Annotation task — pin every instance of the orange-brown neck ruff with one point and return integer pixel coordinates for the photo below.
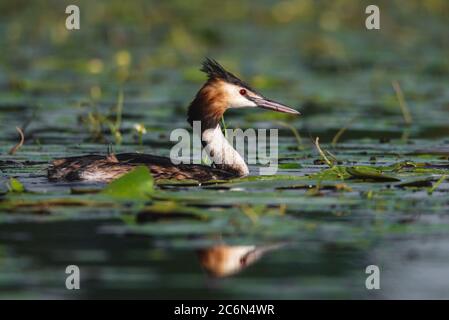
(209, 105)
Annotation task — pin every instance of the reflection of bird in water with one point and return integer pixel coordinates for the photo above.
(224, 260)
(222, 91)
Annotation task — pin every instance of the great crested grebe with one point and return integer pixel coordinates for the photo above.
(222, 91)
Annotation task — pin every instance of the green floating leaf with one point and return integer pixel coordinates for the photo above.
(135, 185)
(15, 185)
(369, 173)
(290, 166)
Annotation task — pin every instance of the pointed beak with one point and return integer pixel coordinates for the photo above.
(273, 105)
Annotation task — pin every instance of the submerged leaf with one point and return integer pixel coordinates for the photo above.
(135, 185)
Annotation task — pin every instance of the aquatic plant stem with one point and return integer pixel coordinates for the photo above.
(437, 184)
(295, 133)
(402, 103)
(118, 118)
(323, 155)
(19, 144)
(342, 130)
(224, 127)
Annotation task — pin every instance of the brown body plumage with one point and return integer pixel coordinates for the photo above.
(221, 91)
(107, 168)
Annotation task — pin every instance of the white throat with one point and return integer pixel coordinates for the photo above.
(221, 152)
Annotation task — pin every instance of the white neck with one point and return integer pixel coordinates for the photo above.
(222, 154)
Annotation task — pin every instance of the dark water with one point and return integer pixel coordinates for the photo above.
(298, 235)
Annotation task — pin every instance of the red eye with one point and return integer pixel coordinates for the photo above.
(242, 92)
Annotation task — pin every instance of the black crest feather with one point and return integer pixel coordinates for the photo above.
(214, 70)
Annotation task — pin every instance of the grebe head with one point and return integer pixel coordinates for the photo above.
(223, 90)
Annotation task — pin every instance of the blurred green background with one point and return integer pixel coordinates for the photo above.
(270, 42)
